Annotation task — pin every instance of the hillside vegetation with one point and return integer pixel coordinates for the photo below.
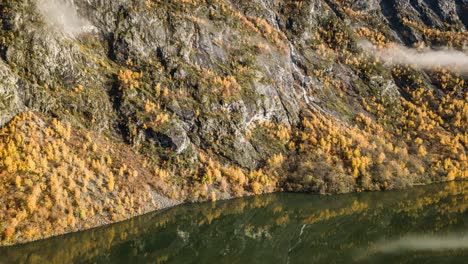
(136, 105)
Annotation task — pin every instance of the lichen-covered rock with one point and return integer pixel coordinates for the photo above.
(10, 100)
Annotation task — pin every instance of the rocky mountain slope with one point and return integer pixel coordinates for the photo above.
(111, 109)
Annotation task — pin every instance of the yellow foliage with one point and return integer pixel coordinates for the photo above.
(129, 79)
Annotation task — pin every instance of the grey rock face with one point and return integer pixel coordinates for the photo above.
(178, 135)
(10, 101)
(136, 35)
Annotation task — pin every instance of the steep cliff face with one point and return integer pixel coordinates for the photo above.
(10, 102)
(213, 99)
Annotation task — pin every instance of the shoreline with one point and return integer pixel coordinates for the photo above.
(168, 206)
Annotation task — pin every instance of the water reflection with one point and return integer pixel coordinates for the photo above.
(279, 228)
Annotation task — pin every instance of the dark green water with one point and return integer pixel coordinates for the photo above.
(420, 225)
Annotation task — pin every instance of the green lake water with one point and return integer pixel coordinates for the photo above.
(419, 225)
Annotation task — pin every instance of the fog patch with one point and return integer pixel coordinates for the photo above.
(429, 243)
(424, 58)
(62, 15)
(415, 243)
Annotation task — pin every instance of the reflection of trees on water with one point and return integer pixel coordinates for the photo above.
(272, 222)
